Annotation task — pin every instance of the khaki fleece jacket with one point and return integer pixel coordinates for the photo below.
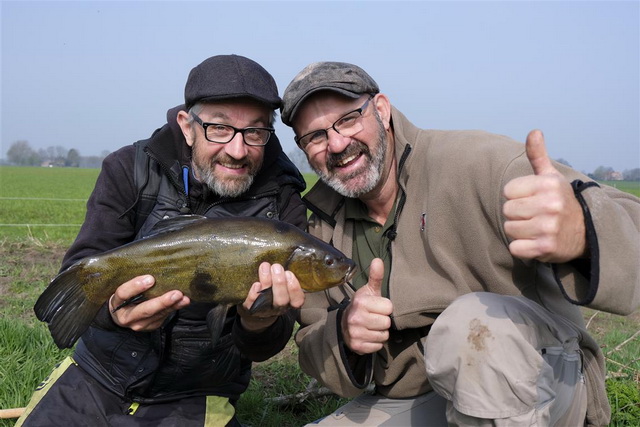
(450, 241)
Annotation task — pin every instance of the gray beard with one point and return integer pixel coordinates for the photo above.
(231, 187)
(369, 178)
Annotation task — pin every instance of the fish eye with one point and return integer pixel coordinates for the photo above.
(328, 261)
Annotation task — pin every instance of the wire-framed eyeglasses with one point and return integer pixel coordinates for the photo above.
(222, 134)
(347, 125)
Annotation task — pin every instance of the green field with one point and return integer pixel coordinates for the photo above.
(41, 210)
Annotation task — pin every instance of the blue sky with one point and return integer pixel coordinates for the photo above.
(97, 75)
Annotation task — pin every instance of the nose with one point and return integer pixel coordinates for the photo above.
(336, 143)
(236, 148)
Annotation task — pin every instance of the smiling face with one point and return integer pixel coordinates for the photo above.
(356, 165)
(227, 169)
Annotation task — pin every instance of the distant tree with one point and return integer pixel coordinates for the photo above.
(20, 153)
(73, 158)
(631, 174)
(564, 162)
(603, 173)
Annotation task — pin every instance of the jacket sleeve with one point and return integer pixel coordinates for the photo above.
(262, 345)
(609, 280)
(107, 224)
(323, 354)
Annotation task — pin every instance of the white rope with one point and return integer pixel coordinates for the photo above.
(40, 225)
(43, 198)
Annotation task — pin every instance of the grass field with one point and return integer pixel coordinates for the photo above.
(40, 213)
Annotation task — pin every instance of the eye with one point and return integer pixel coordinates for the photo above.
(347, 120)
(329, 261)
(317, 136)
(219, 129)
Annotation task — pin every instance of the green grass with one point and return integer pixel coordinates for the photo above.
(632, 187)
(31, 257)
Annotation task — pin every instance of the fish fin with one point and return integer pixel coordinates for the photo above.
(65, 308)
(264, 301)
(216, 318)
(133, 300)
(174, 224)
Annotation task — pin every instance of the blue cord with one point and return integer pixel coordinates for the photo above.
(185, 178)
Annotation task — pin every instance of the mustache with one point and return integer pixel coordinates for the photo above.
(354, 148)
(228, 161)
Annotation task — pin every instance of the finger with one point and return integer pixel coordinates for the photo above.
(376, 274)
(537, 154)
(130, 289)
(151, 313)
(264, 275)
(279, 286)
(296, 294)
(523, 208)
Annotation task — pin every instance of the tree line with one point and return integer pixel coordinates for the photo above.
(21, 154)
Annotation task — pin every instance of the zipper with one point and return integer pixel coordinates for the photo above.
(391, 233)
(169, 173)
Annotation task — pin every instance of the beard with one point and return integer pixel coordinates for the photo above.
(360, 182)
(222, 184)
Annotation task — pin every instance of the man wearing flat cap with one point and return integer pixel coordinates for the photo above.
(476, 253)
(156, 362)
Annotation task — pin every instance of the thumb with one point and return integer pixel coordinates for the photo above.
(376, 273)
(537, 154)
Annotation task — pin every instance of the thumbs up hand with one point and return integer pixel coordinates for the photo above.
(544, 219)
(366, 322)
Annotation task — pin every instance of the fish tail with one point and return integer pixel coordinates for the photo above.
(65, 308)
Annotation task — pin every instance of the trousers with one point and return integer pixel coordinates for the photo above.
(492, 360)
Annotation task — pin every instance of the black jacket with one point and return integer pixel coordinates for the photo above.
(178, 359)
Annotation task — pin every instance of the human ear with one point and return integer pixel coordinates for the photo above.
(383, 107)
(185, 126)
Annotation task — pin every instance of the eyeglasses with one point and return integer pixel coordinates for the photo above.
(222, 134)
(347, 125)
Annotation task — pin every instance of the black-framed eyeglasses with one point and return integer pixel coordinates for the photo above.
(222, 134)
(347, 125)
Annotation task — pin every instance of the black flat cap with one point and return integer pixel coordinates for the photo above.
(225, 77)
(346, 79)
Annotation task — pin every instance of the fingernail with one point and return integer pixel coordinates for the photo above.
(264, 268)
(277, 268)
(147, 280)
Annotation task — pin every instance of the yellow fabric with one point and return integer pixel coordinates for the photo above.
(44, 387)
(133, 408)
(219, 411)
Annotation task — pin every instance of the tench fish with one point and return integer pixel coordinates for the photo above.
(212, 260)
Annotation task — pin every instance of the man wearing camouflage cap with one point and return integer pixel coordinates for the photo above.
(159, 362)
(476, 252)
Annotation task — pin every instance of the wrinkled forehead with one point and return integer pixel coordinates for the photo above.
(234, 109)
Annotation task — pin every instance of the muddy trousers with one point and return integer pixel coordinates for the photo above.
(506, 361)
(493, 360)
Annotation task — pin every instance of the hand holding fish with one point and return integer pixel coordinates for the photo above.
(286, 291)
(366, 321)
(544, 219)
(149, 314)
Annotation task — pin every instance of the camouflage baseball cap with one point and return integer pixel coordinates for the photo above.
(346, 79)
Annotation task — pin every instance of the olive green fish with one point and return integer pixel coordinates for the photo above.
(213, 260)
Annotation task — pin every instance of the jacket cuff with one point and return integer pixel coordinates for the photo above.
(259, 346)
(588, 268)
(103, 319)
